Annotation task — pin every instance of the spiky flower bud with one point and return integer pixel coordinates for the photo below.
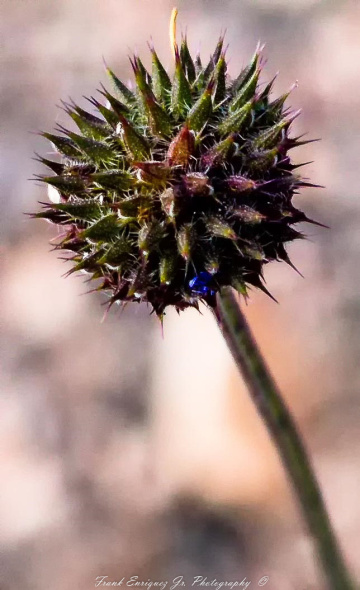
(179, 187)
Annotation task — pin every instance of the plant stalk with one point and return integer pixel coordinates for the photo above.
(270, 405)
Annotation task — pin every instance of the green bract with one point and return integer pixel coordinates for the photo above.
(178, 188)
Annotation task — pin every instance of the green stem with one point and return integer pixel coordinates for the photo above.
(281, 426)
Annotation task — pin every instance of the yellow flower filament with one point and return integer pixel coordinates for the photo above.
(172, 30)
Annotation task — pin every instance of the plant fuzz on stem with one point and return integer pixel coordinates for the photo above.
(272, 409)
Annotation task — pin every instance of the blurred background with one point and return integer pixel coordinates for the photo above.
(127, 453)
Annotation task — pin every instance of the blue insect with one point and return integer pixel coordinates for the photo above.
(202, 284)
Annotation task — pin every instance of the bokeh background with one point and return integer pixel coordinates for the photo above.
(127, 453)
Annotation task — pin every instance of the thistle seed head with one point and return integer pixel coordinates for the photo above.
(179, 187)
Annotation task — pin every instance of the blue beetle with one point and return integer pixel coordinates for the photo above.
(202, 284)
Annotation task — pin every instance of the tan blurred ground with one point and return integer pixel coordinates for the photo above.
(123, 453)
